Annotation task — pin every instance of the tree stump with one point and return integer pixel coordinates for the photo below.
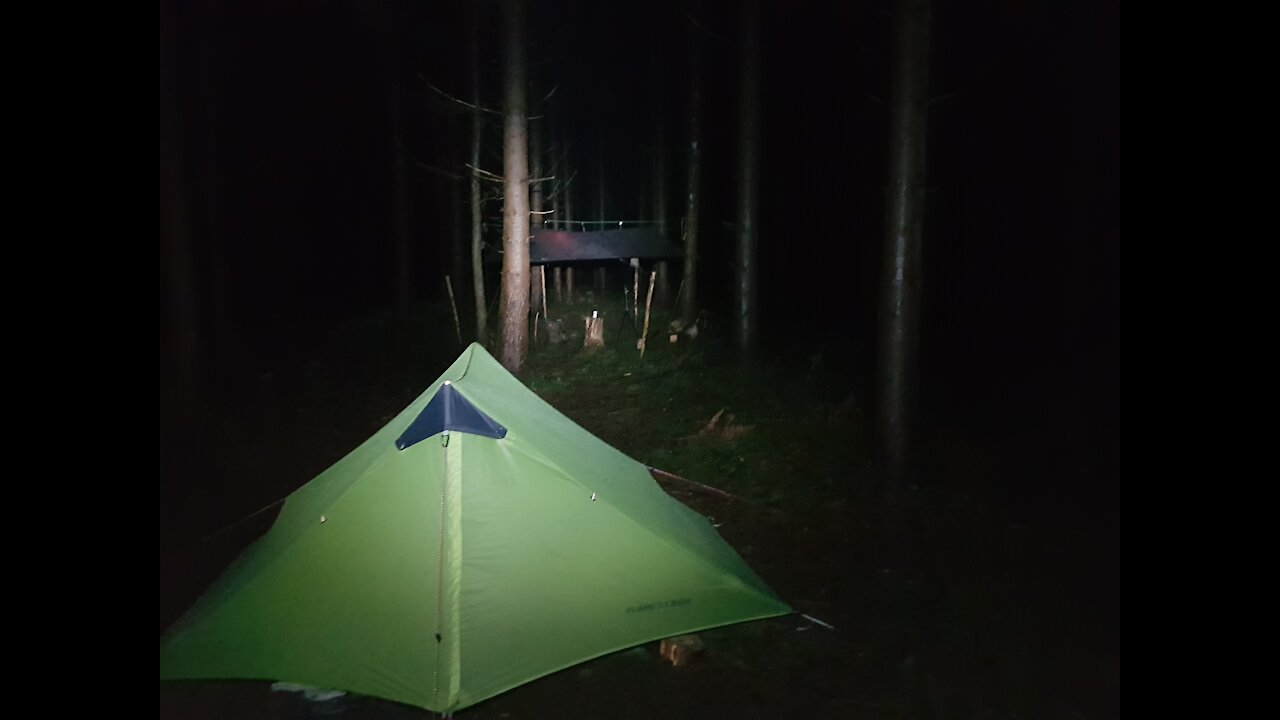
(594, 336)
(681, 650)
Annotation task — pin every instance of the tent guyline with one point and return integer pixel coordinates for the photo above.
(441, 573)
(581, 223)
(264, 508)
(253, 514)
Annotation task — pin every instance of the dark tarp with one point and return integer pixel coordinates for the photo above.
(554, 246)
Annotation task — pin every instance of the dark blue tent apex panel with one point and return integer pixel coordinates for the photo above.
(449, 410)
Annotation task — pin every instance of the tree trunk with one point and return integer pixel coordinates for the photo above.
(180, 342)
(568, 223)
(748, 179)
(557, 203)
(689, 298)
(400, 274)
(515, 187)
(536, 273)
(213, 168)
(600, 184)
(900, 273)
(477, 131)
(458, 251)
(660, 172)
(568, 202)
(600, 213)
(535, 172)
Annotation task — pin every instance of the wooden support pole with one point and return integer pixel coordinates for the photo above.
(635, 289)
(542, 276)
(648, 301)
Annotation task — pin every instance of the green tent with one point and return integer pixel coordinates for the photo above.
(478, 541)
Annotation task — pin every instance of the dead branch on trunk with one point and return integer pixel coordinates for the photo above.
(440, 171)
(484, 174)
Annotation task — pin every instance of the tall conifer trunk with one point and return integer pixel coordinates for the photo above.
(748, 231)
(689, 297)
(568, 225)
(477, 131)
(181, 340)
(900, 272)
(557, 278)
(458, 250)
(401, 275)
(658, 88)
(536, 279)
(600, 212)
(514, 316)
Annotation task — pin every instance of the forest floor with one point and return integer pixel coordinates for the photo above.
(946, 601)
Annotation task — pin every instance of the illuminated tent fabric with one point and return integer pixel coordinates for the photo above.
(478, 541)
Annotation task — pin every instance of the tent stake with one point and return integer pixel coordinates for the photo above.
(815, 620)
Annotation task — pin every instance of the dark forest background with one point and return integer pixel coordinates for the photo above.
(276, 185)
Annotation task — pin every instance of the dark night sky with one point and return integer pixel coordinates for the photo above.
(280, 105)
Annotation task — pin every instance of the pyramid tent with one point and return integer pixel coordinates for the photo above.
(478, 541)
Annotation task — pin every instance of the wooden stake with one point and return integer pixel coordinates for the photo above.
(635, 290)
(457, 326)
(648, 301)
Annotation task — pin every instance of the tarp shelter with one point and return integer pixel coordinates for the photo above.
(478, 541)
(557, 246)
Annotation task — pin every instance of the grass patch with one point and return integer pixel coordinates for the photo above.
(779, 439)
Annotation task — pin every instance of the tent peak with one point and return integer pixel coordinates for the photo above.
(449, 410)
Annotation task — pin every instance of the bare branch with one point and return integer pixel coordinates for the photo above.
(485, 174)
(948, 96)
(698, 25)
(464, 103)
(558, 189)
(439, 171)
